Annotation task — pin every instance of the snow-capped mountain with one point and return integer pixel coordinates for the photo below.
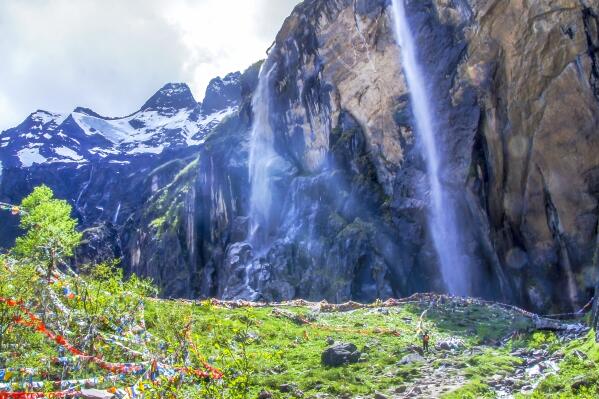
(170, 119)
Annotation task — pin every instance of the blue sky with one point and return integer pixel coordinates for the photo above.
(111, 55)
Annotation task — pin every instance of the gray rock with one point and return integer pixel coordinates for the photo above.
(411, 358)
(287, 388)
(264, 394)
(416, 349)
(401, 389)
(582, 381)
(450, 344)
(581, 355)
(340, 354)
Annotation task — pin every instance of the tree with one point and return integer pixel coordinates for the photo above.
(51, 235)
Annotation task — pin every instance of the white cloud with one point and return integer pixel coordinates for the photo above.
(111, 55)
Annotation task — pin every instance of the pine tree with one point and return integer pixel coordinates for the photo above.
(51, 235)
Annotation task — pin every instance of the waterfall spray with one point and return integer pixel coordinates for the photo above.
(442, 217)
(261, 159)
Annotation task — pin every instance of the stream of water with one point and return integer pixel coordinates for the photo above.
(442, 219)
(262, 157)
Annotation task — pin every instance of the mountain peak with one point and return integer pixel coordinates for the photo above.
(171, 96)
(38, 120)
(43, 116)
(87, 111)
(223, 92)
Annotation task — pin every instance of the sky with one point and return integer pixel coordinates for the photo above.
(112, 55)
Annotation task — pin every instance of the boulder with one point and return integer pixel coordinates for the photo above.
(583, 381)
(340, 354)
(287, 388)
(411, 358)
(264, 394)
(450, 344)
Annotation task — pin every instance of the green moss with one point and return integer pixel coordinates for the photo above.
(538, 340)
(164, 207)
(158, 223)
(491, 362)
(475, 389)
(185, 172)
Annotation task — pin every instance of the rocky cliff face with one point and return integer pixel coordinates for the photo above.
(515, 86)
(533, 66)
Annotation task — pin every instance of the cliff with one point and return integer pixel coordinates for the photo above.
(514, 86)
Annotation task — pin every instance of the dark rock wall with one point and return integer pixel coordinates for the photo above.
(513, 87)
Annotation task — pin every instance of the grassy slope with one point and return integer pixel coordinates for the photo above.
(283, 352)
(275, 351)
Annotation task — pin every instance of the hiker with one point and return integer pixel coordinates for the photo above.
(425, 341)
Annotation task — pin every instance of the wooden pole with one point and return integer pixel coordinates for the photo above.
(595, 320)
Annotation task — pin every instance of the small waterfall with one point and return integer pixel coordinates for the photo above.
(262, 159)
(83, 190)
(190, 227)
(116, 215)
(442, 218)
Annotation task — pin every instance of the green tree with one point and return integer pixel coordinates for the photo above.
(51, 235)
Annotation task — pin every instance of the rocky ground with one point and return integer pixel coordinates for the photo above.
(447, 376)
(479, 350)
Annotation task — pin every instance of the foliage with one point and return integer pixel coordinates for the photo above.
(538, 339)
(491, 362)
(51, 235)
(17, 280)
(474, 389)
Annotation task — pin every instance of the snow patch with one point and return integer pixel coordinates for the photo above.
(30, 156)
(142, 149)
(68, 153)
(152, 126)
(103, 152)
(109, 129)
(43, 117)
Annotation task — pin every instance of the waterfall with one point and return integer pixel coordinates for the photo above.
(83, 190)
(442, 216)
(116, 215)
(262, 159)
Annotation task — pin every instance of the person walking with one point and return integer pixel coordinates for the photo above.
(426, 338)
